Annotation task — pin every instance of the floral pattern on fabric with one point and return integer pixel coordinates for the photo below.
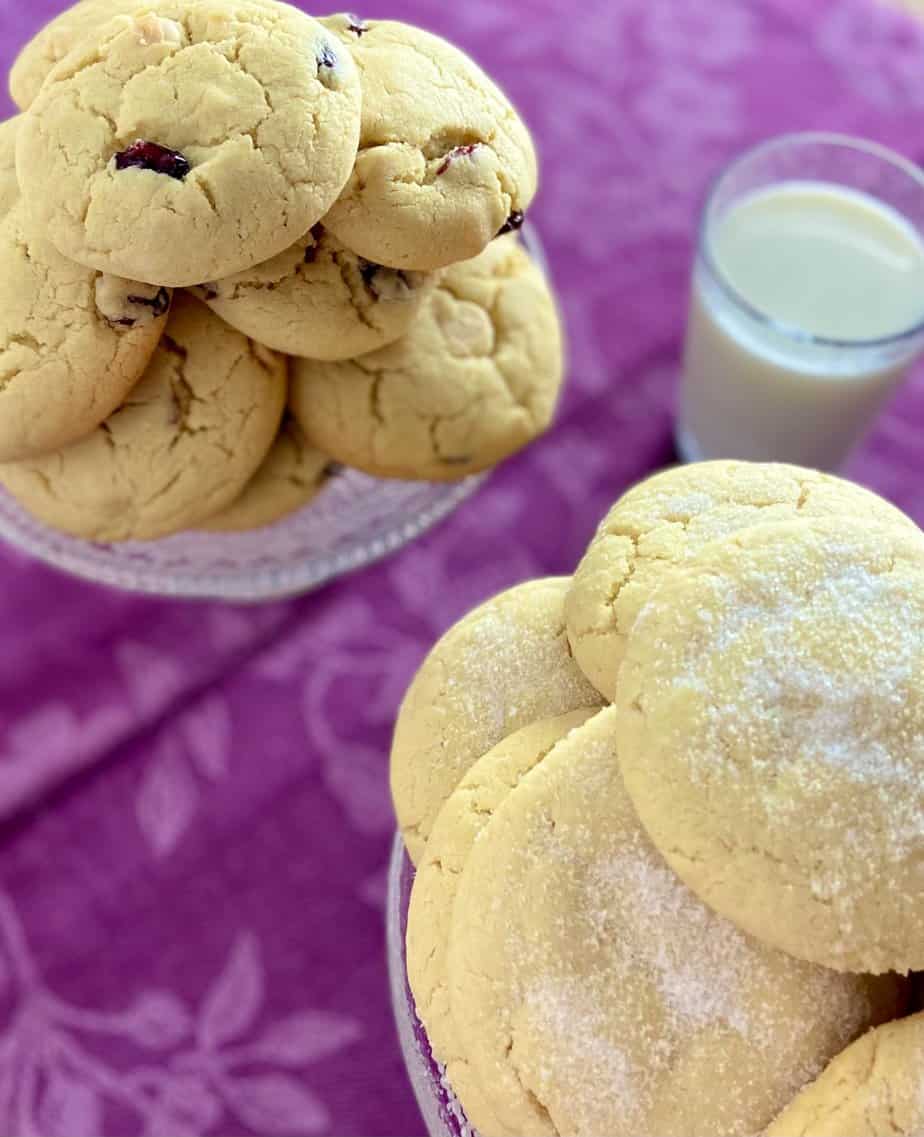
(195, 796)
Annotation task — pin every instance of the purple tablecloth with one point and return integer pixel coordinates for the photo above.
(194, 796)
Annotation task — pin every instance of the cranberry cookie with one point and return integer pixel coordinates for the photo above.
(73, 342)
(475, 379)
(193, 143)
(320, 301)
(444, 164)
(181, 447)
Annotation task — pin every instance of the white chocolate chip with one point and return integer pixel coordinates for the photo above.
(467, 330)
(153, 29)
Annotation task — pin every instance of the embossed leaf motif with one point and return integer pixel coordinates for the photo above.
(305, 1038)
(206, 729)
(154, 679)
(231, 1006)
(69, 1108)
(374, 889)
(361, 788)
(229, 628)
(167, 799)
(158, 1020)
(191, 1104)
(50, 728)
(4, 983)
(276, 1103)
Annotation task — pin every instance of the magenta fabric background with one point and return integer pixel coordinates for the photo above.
(194, 796)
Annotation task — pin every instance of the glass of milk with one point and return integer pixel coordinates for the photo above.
(807, 302)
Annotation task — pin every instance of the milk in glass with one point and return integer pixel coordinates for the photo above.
(803, 297)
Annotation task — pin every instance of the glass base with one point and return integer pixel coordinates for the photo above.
(442, 1113)
(689, 451)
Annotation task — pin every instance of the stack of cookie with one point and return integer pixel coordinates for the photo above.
(242, 248)
(668, 822)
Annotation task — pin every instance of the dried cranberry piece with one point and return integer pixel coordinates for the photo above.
(158, 303)
(330, 72)
(367, 271)
(311, 250)
(128, 304)
(459, 152)
(513, 223)
(391, 285)
(327, 57)
(152, 156)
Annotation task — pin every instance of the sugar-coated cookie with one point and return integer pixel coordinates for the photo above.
(666, 520)
(504, 666)
(475, 379)
(73, 342)
(319, 300)
(455, 831)
(872, 1089)
(187, 145)
(290, 477)
(592, 993)
(181, 447)
(771, 732)
(444, 163)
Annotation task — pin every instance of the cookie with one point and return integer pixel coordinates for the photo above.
(873, 1089)
(455, 831)
(181, 448)
(475, 379)
(592, 993)
(9, 184)
(189, 145)
(666, 520)
(73, 342)
(504, 666)
(772, 736)
(444, 162)
(291, 477)
(320, 301)
(55, 39)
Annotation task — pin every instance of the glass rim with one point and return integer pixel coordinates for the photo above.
(898, 161)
